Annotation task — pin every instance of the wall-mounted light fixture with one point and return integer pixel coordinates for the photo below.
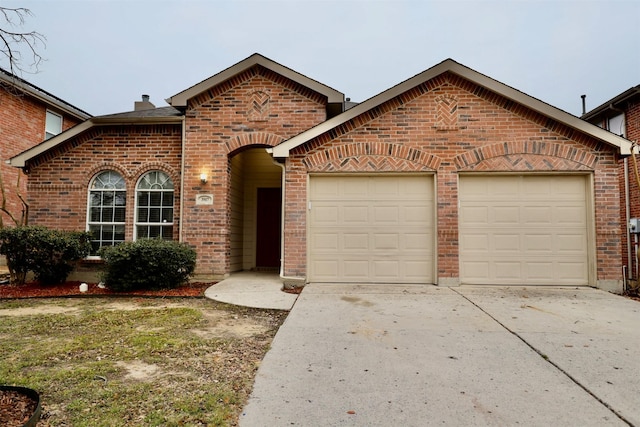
(203, 178)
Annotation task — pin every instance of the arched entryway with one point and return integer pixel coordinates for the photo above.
(255, 210)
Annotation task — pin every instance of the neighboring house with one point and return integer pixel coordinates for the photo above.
(621, 115)
(448, 178)
(28, 115)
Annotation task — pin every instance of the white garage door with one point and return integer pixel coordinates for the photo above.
(529, 230)
(371, 229)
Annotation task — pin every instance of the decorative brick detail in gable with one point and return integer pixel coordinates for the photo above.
(371, 157)
(446, 112)
(258, 106)
(525, 156)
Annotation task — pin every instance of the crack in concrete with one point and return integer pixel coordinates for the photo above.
(548, 360)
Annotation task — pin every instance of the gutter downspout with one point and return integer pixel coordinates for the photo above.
(627, 203)
(180, 232)
(285, 280)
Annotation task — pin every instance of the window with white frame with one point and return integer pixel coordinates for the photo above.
(107, 209)
(154, 206)
(616, 125)
(53, 125)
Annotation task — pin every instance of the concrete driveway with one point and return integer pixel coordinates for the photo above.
(374, 355)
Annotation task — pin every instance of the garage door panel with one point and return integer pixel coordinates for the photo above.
(508, 271)
(384, 226)
(354, 242)
(325, 269)
(416, 270)
(474, 242)
(505, 242)
(386, 214)
(572, 270)
(570, 216)
(418, 242)
(536, 235)
(575, 244)
(537, 215)
(474, 215)
(356, 187)
(504, 215)
(386, 241)
(538, 244)
(386, 269)
(353, 215)
(325, 215)
(355, 269)
(327, 242)
(475, 270)
(538, 271)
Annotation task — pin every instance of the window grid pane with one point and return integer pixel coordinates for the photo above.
(107, 210)
(154, 213)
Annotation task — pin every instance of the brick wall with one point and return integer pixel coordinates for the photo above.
(22, 125)
(632, 119)
(256, 108)
(447, 126)
(59, 182)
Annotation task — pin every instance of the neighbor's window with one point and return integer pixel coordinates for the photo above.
(616, 125)
(154, 210)
(53, 125)
(107, 207)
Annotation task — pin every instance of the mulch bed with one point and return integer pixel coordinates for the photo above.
(36, 290)
(15, 408)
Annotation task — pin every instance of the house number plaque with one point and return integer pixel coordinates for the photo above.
(204, 199)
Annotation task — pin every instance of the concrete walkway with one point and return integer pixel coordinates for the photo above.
(374, 355)
(252, 289)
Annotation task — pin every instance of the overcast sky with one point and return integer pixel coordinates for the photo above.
(103, 55)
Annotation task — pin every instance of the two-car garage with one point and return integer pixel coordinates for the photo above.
(513, 229)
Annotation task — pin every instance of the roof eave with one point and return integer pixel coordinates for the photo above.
(44, 97)
(612, 103)
(136, 120)
(21, 159)
(180, 100)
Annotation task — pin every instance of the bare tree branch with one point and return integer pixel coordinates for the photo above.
(20, 48)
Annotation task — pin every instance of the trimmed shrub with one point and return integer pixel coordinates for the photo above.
(147, 264)
(50, 254)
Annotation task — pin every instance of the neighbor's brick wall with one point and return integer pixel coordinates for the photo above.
(22, 125)
(448, 126)
(59, 181)
(632, 119)
(256, 108)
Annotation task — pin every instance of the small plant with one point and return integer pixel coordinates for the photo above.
(50, 254)
(147, 264)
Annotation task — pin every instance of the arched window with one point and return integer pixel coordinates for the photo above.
(154, 206)
(107, 208)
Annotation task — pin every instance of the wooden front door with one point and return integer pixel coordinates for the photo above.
(268, 228)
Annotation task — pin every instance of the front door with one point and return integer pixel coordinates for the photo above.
(268, 228)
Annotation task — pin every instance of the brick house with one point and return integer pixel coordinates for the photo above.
(448, 178)
(28, 115)
(621, 115)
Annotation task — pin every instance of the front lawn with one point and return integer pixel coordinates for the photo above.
(134, 361)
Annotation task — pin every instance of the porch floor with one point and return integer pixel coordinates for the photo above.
(252, 289)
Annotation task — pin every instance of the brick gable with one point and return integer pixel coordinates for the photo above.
(482, 132)
(256, 108)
